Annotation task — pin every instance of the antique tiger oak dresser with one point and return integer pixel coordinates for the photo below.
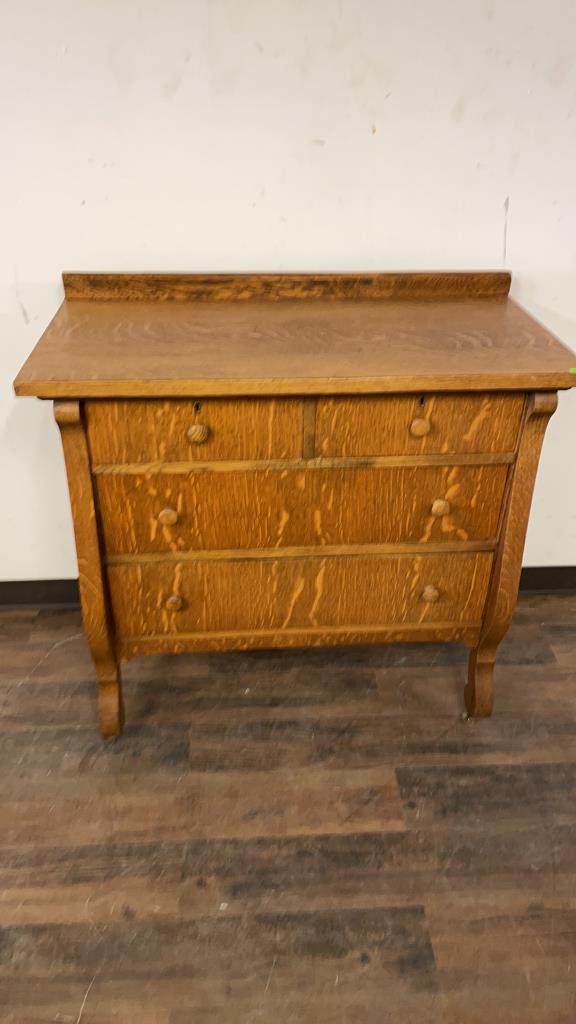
(286, 460)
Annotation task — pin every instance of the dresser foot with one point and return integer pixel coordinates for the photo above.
(110, 705)
(478, 692)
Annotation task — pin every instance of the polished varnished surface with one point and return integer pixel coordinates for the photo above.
(418, 425)
(302, 346)
(308, 595)
(289, 836)
(297, 460)
(156, 431)
(282, 287)
(290, 508)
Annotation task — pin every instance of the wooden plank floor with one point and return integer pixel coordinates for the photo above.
(289, 837)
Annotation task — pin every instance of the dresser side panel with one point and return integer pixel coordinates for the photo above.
(503, 595)
(92, 579)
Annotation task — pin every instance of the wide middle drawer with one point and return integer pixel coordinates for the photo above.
(269, 508)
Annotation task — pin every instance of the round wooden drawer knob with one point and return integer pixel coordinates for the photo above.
(198, 433)
(430, 594)
(168, 517)
(419, 428)
(440, 507)
(174, 603)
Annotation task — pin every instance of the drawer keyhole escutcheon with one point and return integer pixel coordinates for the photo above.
(420, 427)
(430, 594)
(168, 517)
(197, 433)
(174, 603)
(440, 507)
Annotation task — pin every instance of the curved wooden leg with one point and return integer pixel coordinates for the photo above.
(503, 591)
(110, 704)
(91, 575)
(478, 692)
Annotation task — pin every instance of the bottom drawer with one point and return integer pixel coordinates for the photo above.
(205, 596)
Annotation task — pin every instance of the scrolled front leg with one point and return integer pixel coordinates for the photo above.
(110, 703)
(479, 690)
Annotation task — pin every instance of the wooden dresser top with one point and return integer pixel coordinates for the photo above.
(138, 335)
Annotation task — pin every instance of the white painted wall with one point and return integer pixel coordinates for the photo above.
(270, 135)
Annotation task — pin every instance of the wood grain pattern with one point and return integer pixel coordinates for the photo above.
(298, 594)
(298, 459)
(93, 596)
(309, 428)
(381, 426)
(508, 564)
(274, 287)
(188, 811)
(243, 640)
(289, 834)
(264, 465)
(180, 349)
(156, 431)
(272, 509)
(303, 551)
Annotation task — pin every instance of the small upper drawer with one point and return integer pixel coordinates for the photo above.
(417, 425)
(184, 430)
